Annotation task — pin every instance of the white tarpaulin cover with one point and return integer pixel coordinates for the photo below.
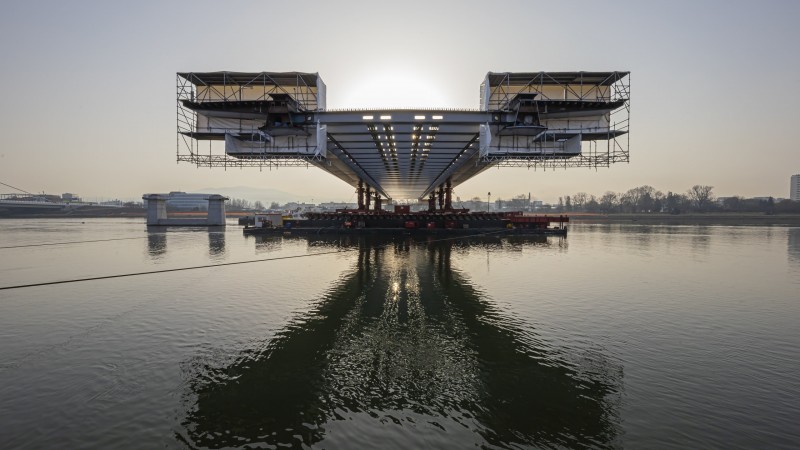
(260, 143)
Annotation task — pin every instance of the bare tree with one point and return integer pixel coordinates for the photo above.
(701, 196)
(638, 199)
(579, 200)
(592, 205)
(608, 202)
(675, 203)
(238, 204)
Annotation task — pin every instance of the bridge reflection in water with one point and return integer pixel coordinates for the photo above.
(404, 352)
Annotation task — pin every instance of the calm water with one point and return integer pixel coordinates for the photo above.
(618, 336)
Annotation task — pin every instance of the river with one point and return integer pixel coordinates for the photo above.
(616, 336)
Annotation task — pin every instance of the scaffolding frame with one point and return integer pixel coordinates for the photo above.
(266, 162)
(234, 85)
(549, 150)
(501, 94)
(544, 120)
(263, 86)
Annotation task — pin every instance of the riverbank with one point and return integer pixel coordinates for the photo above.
(726, 219)
(100, 212)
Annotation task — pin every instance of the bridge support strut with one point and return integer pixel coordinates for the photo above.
(360, 191)
(448, 196)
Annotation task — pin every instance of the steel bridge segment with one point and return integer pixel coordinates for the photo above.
(347, 168)
(404, 151)
(536, 119)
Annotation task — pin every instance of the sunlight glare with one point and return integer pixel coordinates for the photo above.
(393, 89)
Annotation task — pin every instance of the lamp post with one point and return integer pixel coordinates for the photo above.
(489, 202)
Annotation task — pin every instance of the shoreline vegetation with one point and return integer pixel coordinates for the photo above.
(712, 218)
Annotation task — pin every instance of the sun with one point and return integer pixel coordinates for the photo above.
(393, 89)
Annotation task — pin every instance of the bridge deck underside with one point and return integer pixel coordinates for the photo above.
(403, 158)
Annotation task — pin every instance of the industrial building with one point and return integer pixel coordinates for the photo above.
(531, 119)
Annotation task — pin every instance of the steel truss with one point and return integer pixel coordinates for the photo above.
(253, 161)
(548, 162)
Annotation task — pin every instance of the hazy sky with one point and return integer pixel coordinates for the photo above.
(88, 88)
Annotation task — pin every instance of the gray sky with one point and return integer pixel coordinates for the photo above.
(88, 102)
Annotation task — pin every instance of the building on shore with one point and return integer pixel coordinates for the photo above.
(794, 189)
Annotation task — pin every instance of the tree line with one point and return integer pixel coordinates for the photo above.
(641, 199)
(647, 199)
(240, 204)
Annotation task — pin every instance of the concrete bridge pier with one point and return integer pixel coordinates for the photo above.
(157, 212)
(156, 208)
(216, 210)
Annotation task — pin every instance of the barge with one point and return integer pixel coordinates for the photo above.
(456, 222)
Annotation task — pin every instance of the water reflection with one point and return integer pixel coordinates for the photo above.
(216, 244)
(794, 245)
(156, 243)
(404, 349)
(265, 243)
